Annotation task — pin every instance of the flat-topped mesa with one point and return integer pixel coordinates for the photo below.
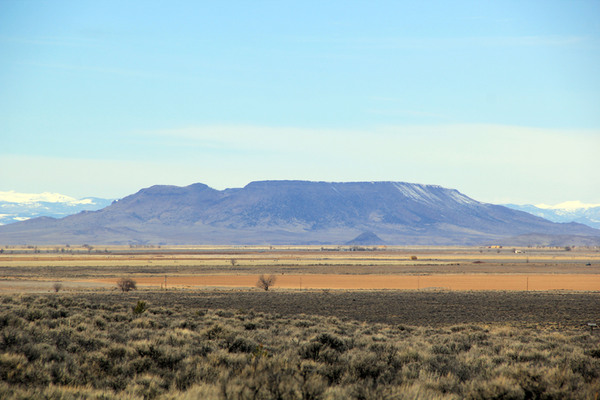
(292, 212)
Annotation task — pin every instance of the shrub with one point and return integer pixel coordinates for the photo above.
(11, 367)
(215, 332)
(265, 282)
(250, 326)
(140, 307)
(595, 353)
(126, 284)
(332, 341)
(325, 348)
(57, 286)
(100, 349)
(242, 345)
(368, 367)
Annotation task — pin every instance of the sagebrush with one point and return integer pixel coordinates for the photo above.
(73, 346)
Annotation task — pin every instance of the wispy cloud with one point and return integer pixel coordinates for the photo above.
(488, 162)
(486, 144)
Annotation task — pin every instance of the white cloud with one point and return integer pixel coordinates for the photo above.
(483, 146)
(14, 197)
(568, 205)
(491, 163)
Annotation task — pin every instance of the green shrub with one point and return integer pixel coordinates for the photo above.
(250, 326)
(140, 307)
(368, 367)
(595, 353)
(243, 345)
(332, 341)
(216, 331)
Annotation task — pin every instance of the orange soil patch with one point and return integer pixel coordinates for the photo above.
(583, 282)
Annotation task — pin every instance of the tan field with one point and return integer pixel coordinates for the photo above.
(310, 267)
(580, 282)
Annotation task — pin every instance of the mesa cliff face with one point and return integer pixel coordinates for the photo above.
(291, 212)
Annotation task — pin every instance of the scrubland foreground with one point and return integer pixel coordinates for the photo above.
(178, 345)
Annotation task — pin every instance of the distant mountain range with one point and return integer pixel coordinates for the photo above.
(15, 207)
(570, 211)
(295, 212)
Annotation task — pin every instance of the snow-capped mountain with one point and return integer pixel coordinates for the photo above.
(569, 211)
(15, 206)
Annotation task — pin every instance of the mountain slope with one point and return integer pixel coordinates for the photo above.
(366, 238)
(291, 212)
(572, 211)
(15, 207)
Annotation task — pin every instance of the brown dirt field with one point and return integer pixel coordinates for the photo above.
(551, 309)
(418, 268)
(576, 282)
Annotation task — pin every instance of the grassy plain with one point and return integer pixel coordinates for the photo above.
(304, 345)
(90, 341)
(297, 267)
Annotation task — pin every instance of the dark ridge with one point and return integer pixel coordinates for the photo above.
(294, 212)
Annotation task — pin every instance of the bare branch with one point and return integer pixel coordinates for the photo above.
(265, 282)
(126, 284)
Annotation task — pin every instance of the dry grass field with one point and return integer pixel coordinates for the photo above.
(447, 326)
(448, 268)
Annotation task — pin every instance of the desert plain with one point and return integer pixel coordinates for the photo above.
(29, 268)
(339, 322)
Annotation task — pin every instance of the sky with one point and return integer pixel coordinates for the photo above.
(498, 99)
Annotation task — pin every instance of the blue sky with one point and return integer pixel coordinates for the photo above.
(500, 100)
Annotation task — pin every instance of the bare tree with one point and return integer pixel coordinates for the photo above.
(265, 282)
(57, 286)
(126, 284)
